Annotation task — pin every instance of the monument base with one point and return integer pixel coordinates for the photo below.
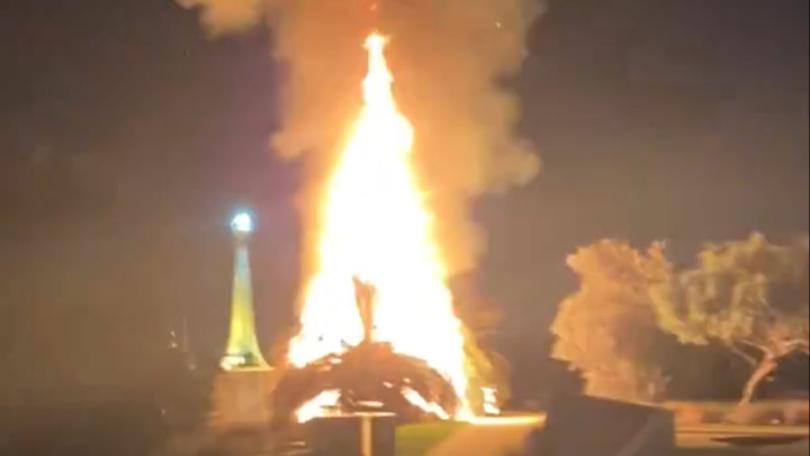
(240, 399)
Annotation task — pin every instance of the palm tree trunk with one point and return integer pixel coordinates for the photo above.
(767, 365)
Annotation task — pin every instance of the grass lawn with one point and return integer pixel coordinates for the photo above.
(417, 439)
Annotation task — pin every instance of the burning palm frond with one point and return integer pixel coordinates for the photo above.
(370, 375)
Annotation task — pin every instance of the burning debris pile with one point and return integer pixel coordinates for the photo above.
(368, 377)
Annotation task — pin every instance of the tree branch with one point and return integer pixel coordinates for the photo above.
(763, 370)
(742, 354)
(763, 348)
(796, 345)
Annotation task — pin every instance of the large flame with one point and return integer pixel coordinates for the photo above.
(376, 226)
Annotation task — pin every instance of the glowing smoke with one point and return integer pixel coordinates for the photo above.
(226, 16)
(449, 58)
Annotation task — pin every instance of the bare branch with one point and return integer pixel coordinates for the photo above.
(755, 346)
(763, 370)
(796, 345)
(742, 354)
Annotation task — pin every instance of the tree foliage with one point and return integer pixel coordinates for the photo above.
(608, 329)
(749, 295)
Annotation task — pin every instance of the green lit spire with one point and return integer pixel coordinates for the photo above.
(243, 350)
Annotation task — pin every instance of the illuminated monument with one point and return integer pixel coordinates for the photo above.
(241, 389)
(242, 351)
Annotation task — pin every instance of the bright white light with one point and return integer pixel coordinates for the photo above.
(242, 223)
(229, 362)
(491, 401)
(320, 405)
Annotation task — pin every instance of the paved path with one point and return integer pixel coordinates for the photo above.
(703, 440)
(502, 436)
(801, 449)
(506, 437)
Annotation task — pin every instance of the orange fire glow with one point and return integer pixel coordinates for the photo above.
(377, 226)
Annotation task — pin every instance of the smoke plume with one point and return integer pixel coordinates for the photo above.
(449, 59)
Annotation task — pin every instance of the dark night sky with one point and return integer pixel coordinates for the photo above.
(127, 137)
